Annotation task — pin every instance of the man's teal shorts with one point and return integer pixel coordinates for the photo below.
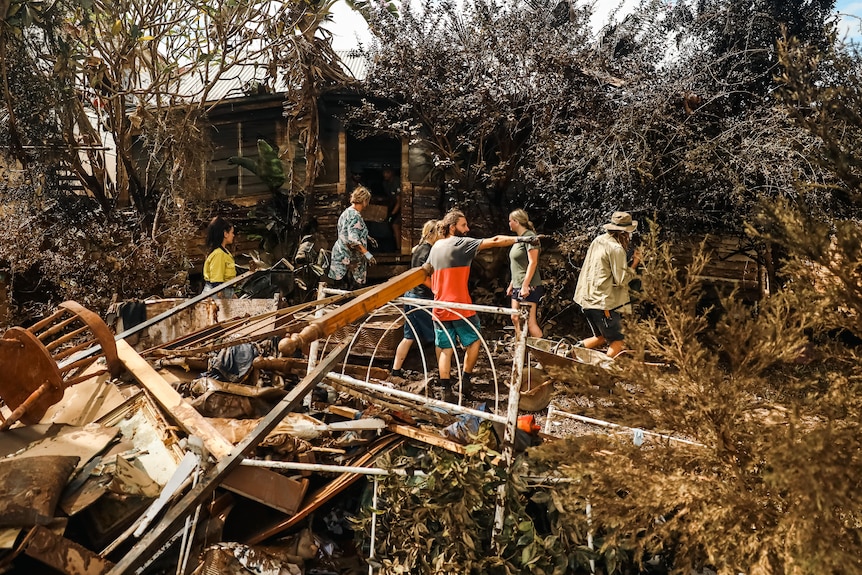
(463, 331)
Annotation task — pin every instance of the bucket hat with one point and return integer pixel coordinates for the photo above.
(621, 221)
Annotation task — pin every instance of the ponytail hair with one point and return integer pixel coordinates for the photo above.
(429, 230)
(522, 218)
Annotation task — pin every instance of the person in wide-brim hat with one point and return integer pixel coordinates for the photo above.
(603, 284)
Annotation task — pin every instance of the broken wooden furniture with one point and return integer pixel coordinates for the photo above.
(41, 361)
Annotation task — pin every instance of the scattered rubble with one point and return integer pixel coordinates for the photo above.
(221, 449)
(225, 436)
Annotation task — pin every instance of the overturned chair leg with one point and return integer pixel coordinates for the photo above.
(31, 380)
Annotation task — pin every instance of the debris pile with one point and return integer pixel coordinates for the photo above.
(234, 448)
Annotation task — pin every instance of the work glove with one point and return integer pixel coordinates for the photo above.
(528, 240)
(370, 257)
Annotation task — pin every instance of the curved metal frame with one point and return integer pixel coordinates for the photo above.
(427, 307)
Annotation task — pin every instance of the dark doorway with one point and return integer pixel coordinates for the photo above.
(367, 160)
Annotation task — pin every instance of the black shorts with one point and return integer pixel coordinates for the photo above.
(535, 295)
(608, 324)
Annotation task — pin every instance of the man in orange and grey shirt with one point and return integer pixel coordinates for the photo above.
(451, 257)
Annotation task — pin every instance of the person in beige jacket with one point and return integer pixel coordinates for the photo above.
(603, 284)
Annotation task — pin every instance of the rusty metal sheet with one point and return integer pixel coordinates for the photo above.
(62, 554)
(85, 402)
(78, 500)
(30, 488)
(196, 317)
(130, 480)
(562, 361)
(17, 438)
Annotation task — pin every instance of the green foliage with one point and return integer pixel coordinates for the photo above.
(442, 522)
(268, 166)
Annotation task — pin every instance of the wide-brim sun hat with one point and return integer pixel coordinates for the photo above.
(622, 222)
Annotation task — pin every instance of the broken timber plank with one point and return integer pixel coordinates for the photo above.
(272, 489)
(426, 437)
(186, 415)
(406, 430)
(327, 492)
(289, 365)
(175, 517)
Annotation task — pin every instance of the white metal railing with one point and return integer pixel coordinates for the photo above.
(637, 433)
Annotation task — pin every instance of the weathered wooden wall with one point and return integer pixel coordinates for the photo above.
(734, 263)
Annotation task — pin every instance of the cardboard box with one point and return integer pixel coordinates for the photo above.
(375, 213)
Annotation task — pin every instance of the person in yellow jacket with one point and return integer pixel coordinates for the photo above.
(219, 266)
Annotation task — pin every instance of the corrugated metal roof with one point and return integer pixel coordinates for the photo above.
(355, 63)
(239, 80)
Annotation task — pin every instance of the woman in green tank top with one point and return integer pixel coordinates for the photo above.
(525, 288)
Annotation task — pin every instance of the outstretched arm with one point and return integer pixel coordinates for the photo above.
(506, 241)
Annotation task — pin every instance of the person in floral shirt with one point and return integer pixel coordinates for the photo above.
(350, 255)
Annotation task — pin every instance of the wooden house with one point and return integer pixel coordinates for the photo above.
(242, 118)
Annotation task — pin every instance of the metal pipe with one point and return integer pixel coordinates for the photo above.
(511, 427)
(550, 415)
(441, 304)
(373, 526)
(608, 424)
(352, 381)
(590, 543)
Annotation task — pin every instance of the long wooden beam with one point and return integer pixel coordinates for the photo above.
(172, 402)
(354, 310)
(175, 517)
